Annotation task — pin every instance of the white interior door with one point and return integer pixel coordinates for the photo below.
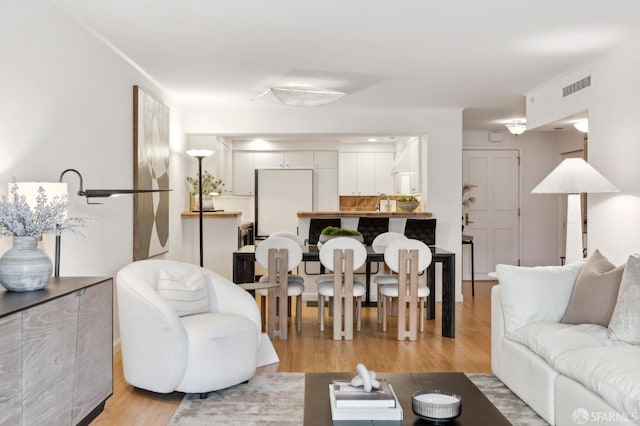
(494, 217)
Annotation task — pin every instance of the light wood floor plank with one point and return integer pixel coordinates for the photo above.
(313, 351)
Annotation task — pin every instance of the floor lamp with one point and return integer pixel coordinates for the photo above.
(572, 177)
(200, 154)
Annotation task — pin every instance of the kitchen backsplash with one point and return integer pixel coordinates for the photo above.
(361, 203)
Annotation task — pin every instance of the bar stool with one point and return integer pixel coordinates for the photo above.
(280, 255)
(468, 240)
(342, 255)
(408, 258)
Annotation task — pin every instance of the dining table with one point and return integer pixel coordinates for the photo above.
(244, 272)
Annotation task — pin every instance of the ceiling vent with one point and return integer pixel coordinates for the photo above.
(578, 85)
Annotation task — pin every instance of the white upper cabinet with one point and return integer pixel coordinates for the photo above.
(365, 173)
(325, 159)
(384, 178)
(243, 173)
(268, 160)
(298, 159)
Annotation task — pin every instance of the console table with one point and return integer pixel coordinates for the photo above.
(56, 352)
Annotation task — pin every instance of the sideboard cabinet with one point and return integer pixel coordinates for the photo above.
(56, 352)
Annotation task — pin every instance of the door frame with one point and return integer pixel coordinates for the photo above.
(520, 227)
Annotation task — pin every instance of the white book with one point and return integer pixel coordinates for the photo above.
(363, 413)
(352, 396)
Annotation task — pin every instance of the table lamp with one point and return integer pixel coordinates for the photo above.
(572, 177)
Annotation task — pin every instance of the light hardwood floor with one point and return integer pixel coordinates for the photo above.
(313, 351)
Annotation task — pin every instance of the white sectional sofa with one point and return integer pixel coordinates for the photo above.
(570, 374)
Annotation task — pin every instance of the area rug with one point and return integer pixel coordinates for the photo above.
(278, 399)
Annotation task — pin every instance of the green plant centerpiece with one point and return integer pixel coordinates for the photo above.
(333, 231)
(408, 203)
(210, 187)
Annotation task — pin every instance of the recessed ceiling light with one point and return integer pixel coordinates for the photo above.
(582, 125)
(372, 140)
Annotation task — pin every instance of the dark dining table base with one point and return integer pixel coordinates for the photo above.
(244, 272)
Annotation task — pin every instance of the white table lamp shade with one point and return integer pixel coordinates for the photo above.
(574, 176)
(30, 190)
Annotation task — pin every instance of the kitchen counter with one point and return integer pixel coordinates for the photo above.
(397, 214)
(212, 215)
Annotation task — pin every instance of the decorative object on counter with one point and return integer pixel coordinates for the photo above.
(26, 214)
(332, 231)
(199, 154)
(467, 200)
(436, 405)
(365, 378)
(408, 203)
(210, 188)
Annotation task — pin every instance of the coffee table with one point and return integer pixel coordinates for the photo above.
(477, 410)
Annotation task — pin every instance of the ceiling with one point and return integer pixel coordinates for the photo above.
(481, 56)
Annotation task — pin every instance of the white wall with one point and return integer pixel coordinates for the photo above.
(442, 128)
(614, 146)
(66, 101)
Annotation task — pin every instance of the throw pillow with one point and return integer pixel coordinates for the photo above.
(595, 293)
(188, 295)
(534, 294)
(625, 321)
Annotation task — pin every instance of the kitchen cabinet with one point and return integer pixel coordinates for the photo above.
(243, 173)
(246, 162)
(365, 173)
(325, 182)
(384, 178)
(325, 159)
(407, 169)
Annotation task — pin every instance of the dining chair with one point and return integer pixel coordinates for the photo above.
(279, 256)
(316, 225)
(408, 258)
(298, 240)
(342, 255)
(379, 244)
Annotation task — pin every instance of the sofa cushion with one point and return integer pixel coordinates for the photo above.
(613, 372)
(595, 293)
(535, 294)
(551, 339)
(625, 321)
(187, 295)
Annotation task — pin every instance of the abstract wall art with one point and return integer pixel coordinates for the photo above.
(151, 154)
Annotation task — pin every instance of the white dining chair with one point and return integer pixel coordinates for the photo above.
(342, 255)
(408, 258)
(279, 256)
(379, 244)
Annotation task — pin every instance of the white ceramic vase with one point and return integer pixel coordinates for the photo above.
(24, 267)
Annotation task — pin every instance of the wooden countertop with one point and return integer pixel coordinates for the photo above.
(365, 214)
(212, 215)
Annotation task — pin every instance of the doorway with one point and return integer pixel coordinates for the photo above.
(493, 219)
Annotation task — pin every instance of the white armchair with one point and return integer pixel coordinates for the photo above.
(164, 352)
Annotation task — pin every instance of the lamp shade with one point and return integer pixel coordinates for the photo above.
(199, 153)
(573, 176)
(30, 190)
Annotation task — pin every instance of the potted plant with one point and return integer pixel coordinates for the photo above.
(210, 187)
(24, 267)
(333, 231)
(408, 203)
(467, 200)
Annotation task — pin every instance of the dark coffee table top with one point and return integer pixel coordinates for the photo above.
(477, 410)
